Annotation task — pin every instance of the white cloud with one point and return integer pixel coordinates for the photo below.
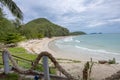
(114, 20)
(93, 24)
(96, 24)
(58, 6)
(88, 13)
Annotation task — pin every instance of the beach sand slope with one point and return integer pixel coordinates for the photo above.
(99, 71)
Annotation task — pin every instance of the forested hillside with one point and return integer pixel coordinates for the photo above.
(38, 28)
(77, 33)
(42, 28)
(13, 31)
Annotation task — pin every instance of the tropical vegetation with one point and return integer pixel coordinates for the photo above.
(8, 31)
(12, 31)
(77, 33)
(15, 10)
(42, 27)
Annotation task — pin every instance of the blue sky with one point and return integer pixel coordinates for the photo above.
(76, 15)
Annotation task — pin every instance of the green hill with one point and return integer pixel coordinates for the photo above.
(42, 27)
(77, 33)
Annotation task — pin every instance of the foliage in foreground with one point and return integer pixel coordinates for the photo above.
(13, 8)
(13, 76)
(10, 76)
(8, 32)
(21, 52)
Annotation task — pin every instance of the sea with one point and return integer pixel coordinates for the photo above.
(96, 46)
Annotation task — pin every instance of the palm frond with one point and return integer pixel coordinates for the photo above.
(15, 10)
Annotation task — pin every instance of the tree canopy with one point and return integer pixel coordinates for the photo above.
(8, 32)
(42, 27)
(77, 33)
(35, 29)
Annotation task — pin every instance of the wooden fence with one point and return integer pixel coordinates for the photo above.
(43, 75)
(44, 55)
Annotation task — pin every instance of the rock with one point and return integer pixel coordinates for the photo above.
(102, 61)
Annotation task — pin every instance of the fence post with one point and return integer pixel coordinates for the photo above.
(46, 68)
(5, 62)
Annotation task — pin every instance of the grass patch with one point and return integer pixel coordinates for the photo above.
(52, 70)
(76, 61)
(13, 76)
(21, 52)
(10, 76)
(1, 61)
(69, 60)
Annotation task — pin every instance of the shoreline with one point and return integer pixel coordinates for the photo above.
(75, 69)
(81, 54)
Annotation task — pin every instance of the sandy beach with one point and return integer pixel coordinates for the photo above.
(99, 71)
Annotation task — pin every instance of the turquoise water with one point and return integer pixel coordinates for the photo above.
(103, 42)
(103, 45)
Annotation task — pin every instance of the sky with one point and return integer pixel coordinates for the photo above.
(76, 15)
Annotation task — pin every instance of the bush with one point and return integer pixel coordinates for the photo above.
(40, 36)
(52, 70)
(112, 61)
(12, 38)
(10, 76)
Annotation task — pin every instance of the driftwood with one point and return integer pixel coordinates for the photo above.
(102, 61)
(35, 63)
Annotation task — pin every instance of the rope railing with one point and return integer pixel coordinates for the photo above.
(31, 71)
(63, 71)
(36, 62)
(20, 59)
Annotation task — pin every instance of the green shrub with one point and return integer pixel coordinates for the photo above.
(39, 68)
(113, 61)
(12, 38)
(52, 70)
(10, 76)
(40, 35)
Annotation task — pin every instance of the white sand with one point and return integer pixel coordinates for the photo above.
(99, 71)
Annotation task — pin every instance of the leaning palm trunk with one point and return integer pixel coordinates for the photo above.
(15, 10)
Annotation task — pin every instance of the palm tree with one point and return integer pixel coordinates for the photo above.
(15, 10)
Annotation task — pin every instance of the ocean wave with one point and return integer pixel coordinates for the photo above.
(69, 39)
(97, 51)
(77, 41)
